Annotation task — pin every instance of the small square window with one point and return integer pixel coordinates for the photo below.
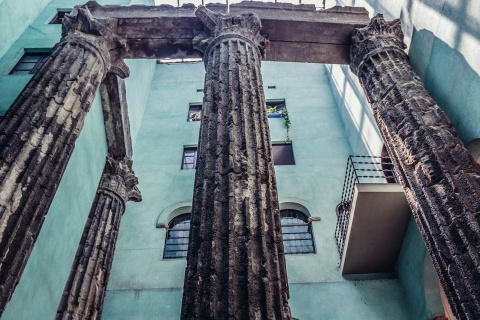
(189, 159)
(283, 154)
(194, 112)
(59, 16)
(30, 63)
(275, 108)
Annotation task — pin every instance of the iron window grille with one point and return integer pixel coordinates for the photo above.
(296, 232)
(30, 63)
(189, 159)
(360, 169)
(194, 113)
(176, 241)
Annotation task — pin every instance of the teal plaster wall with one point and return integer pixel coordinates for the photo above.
(444, 40)
(15, 17)
(144, 286)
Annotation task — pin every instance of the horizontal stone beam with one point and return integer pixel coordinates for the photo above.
(296, 32)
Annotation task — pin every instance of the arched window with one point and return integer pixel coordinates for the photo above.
(297, 232)
(176, 242)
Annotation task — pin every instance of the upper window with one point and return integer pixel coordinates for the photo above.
(59, 16)
(30, 63)
(194, 112)
(275, 108)
(283, 154)
(189, 159)
(176, 242)
(297, 232)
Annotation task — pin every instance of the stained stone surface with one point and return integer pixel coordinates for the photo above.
(38, 133)
(440, 178)
(235, 264)
(85, 290)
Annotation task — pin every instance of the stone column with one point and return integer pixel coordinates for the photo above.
(38, 133)
(235, 264)
(85, 290)
(440, 179)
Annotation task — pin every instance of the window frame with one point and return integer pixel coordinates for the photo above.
(289, 146)
(194, 108)
(43, 55)
(59, 12)
(170, 227)
(280, 105)
(195, 156)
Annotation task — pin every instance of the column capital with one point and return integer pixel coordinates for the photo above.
(118, 178)
(100, 33)
(378, 36)
(245, 26)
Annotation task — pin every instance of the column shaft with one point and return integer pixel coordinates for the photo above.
(85, 290)
(235, 265)
(440, 178)
(37, 136)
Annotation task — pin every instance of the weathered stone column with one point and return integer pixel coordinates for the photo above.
(235, 264)
(85, 290)
(440, 179)
(38, 133)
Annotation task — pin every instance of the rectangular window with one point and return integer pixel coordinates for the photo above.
(283, 154)
(275, 108)
(194, 112)
(189, 159)
(30, 63)
(59, 16)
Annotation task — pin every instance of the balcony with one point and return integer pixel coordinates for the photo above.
(372, 217)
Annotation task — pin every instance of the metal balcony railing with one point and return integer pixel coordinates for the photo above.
(360, 169)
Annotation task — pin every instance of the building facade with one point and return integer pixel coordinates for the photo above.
(328, 119)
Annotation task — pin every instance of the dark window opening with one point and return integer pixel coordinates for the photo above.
(176, 241)
(275, 108)
(283, 154)
(30, 63)
(59, 16)
(297, 232)
(189, 159)
(195, 112)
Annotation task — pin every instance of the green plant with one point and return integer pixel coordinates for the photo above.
(272, 110)
(287, 123)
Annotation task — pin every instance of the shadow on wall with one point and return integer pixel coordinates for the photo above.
(356, 113)
(451, 81)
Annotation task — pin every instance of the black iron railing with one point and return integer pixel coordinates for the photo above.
(360, 169)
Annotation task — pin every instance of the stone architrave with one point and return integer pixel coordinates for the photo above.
(235, 263)
(85, 290)
(38, 133)
(440, 178)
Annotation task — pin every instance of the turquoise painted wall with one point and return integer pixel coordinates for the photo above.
(144, 286)
(15, 17)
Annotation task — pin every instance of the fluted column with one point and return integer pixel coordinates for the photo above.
(440, 178)
(38, 133)
(235, 264)
(85, 290)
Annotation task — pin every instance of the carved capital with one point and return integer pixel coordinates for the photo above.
(245, 26)
(118, 178)
(378, 36)
(100, 33)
